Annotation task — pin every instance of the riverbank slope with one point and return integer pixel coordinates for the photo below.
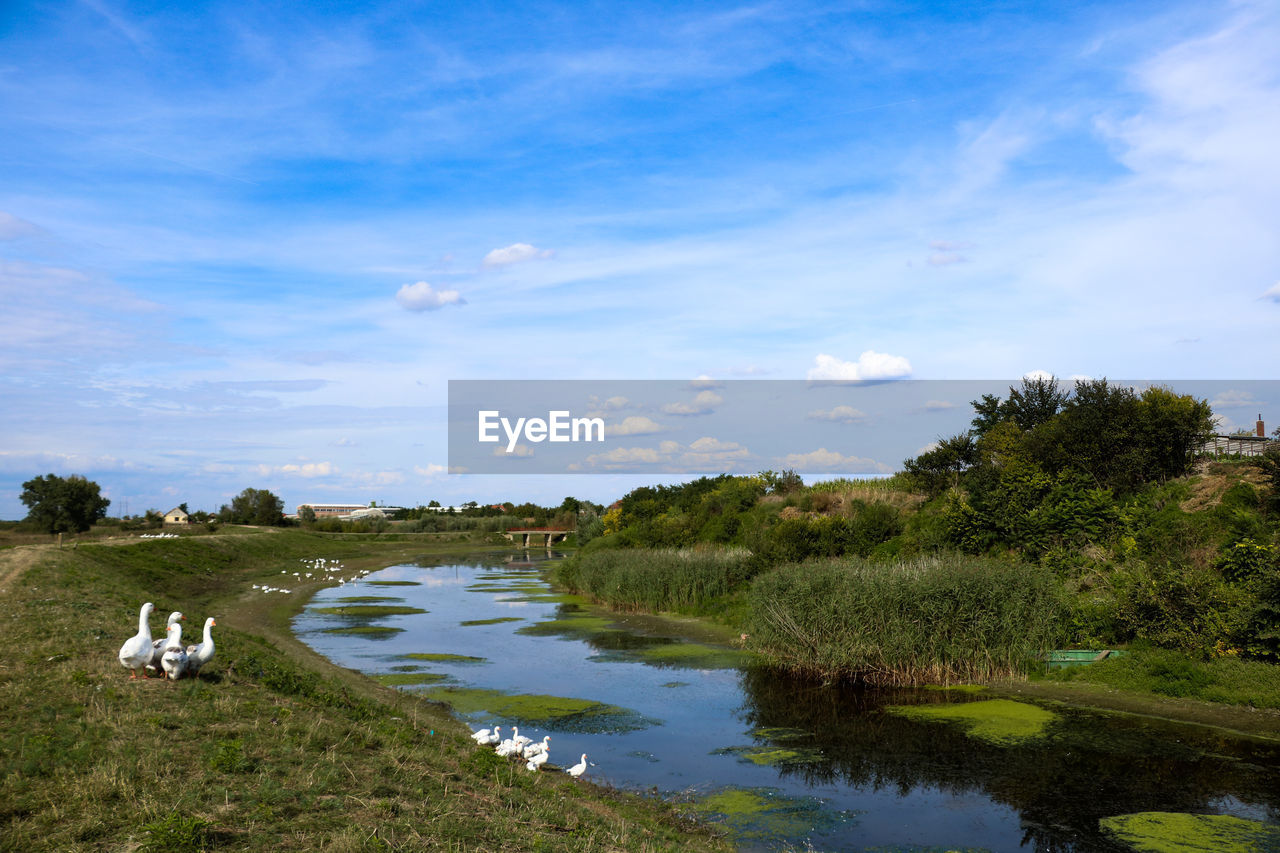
(273, 746)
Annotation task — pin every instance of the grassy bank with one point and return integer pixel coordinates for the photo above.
(272, 747)
(930, 620)
(655, 580)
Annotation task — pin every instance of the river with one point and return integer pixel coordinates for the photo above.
(779, 762)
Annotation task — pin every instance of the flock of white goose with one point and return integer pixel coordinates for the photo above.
(166, 655)
(534, 753)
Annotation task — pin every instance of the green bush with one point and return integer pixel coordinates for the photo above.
(176, 833)
(656, 579)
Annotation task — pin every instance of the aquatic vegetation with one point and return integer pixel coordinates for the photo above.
(657, 579)
(1002, 722)
(569, 626)
(686, 655)
(771, 756)
(494, 621)
(393, 583)
(518, 587)
(404, 679)
(367, 599)
(957, 688)
(369, 611)
(555, 713)
(445, 658)
(765, 814)
(1178, 832)
(673, 684)
(780, 734)
(931, 620)
(372, 632)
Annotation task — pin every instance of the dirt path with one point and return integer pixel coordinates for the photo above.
(14, 561)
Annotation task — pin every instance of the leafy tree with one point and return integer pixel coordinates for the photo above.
(254, 506)
(939, 469)
(1036, 401)
(63, 504)
(307, 516)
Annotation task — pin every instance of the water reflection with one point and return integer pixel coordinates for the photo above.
(830, 765)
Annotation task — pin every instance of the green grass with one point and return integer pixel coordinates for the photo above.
(655, 580)
(929, 621)
(1162, 672)
(272, 747)
(1177, 832)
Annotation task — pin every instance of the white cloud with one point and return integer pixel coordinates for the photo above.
(1274, 293)
(842, 414)
(946, 259)
(703, 403)
(830, 460)
(421, 296)
(625, 456)
(1037, 374)
(1232, 399)
(634, 425)
(514, 254)
(306, 469)
(870, 365)
(430, 471)
(522, 450)
(939, 405)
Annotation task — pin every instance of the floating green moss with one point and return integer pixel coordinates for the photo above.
(407, 668)
(394, 583)
(1002, 722)
(402, 679)
(780, 734)
(368, 611)
(1178, 832)
(573, 625)
(372, 632)
(366, 599)
(516, 587)
(470, 622)
(771, 756)
(443, 657)
(676, 684)
(958, 688)
(764, 813)
(556, 713)
(693, 656)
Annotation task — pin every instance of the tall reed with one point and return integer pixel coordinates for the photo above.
(932, 620)
(657, 579)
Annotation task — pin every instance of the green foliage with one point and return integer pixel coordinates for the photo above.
(1245, 561)
(939, 469)
(1229, 680)
(63, 504)
(1177, 607)
(932, 620)
(177, 833)
(228, 756)
(254, 506)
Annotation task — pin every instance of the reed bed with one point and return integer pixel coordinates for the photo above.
(682, 580)
(935, 620)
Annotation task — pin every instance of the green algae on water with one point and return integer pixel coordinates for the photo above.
(368, 611)
(766, 814)
(1002, 722)
(1178, 832)
(372, 632)
(367, 599)
(780, 734)
(444, 658)
(393, 583)
(957, 688)
(773, 756)
(570, 626)
(404, 679)
(556, 713)
(495, 621)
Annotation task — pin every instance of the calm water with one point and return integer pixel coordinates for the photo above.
(853, 777)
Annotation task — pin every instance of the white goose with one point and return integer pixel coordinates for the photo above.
(201, 653)
(537, 761)
(520, 740)
(578, 769)
(136, 651)
(485, 736)
(533, 749)
(174, 660)
(158, 647)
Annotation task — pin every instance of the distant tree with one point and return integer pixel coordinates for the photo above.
(254, 506)
(307, 516)
(939, 469)
(571, 505)
(433, 503)
(183, 506)
(63, 504)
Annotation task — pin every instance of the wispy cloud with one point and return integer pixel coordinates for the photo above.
(420, 296)
(841, 414)
(870, 365)
(514, 254)
(823, 460)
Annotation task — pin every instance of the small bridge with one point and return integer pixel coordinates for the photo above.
(545, 536)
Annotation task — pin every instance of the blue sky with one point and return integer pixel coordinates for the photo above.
(248, 244)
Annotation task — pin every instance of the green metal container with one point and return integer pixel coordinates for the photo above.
(1060, 658)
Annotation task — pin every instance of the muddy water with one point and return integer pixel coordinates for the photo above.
(778, 762)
